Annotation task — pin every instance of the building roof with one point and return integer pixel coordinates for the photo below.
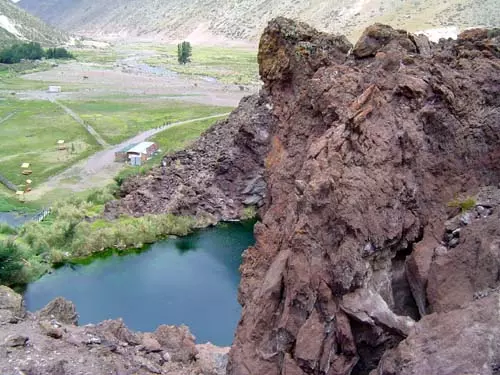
(141, 148)
(129, 147)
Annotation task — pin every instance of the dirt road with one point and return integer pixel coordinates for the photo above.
(99, 169)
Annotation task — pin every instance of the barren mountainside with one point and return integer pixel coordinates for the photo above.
(245, 19)
(17, 24)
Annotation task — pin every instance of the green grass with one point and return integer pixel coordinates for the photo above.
(118, 120)
(32, 133)
(179, 137)
(95, 55)
(228, 65)
(465, 204)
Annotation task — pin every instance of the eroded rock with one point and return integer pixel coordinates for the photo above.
(461, 341)
(366, 153)
(60, 309)
(178, 342)
(11, 306)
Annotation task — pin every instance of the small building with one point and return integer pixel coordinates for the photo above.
(136, 154)
(121, 156)
(141, 152)
(54, 89)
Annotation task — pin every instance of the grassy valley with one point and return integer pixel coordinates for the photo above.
(119, 92)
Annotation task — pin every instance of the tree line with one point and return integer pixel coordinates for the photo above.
(31, 51)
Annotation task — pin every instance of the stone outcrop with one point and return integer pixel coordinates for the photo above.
(372, 144)
(61, 310)
(52, 344)
(11, 306)
(215, 178)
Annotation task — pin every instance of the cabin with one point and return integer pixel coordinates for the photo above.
(54, 89)
(136, 154)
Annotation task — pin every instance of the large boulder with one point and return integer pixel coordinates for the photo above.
(461, 341)
(60, 309)
(11, 305)
(178, 342)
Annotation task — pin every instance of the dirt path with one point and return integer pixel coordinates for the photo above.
(79, 120)
(7, 117)
(99, 169)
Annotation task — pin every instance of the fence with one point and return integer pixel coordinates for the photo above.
(42, 215)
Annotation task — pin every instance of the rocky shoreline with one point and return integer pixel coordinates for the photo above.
(50, 342)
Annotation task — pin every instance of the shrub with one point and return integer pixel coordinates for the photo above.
(249, 213)
(6, 229)
(464, 205)
(10, 263)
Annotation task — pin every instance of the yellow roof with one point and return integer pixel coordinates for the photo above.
(29, 181)
(25, 165)
(19, 192)
(60, 142)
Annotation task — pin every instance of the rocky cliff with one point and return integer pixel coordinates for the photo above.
(356, 268)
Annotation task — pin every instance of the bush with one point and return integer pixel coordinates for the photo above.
(10, 263)
(249, 213)
(6, 229)
(464, 205)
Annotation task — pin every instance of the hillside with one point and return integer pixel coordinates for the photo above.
(17, 24)
(245, 19)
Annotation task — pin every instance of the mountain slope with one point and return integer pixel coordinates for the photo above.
(17, 24)
(245, 19)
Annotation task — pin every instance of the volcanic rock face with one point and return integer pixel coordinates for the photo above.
(215, 178)
(367, 151)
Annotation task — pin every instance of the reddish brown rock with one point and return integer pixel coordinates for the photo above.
(365, 155)
(462, 341)
(468, 269)
(11, 305)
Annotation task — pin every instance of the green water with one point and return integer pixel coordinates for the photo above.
(191, 280)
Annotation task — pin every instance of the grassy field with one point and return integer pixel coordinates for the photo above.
(96, 55)
(31, 135)
(228, 65)
(179, 137)
(117, 120)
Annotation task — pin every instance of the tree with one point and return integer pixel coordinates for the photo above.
(20, 51)
(58, 53)
(184, 52)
